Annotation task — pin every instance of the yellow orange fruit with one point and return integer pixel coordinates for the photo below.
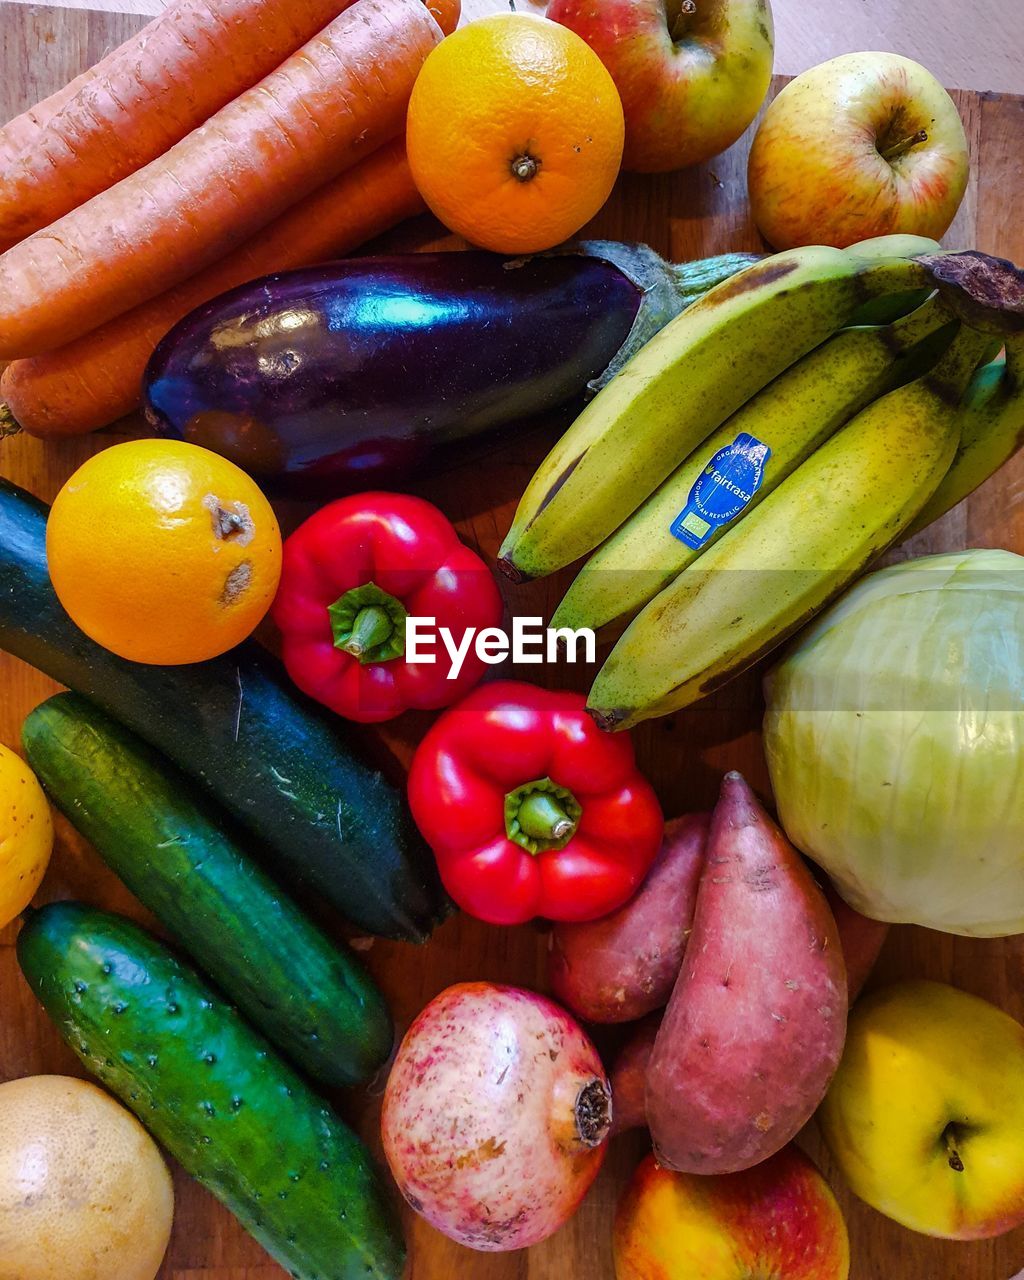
(163, 552)
(84, 1192)
(515, 133)
(26, 835)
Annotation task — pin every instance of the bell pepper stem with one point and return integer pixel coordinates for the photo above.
(543, 818)
(541, 815)
(371, 627)
(369, 624)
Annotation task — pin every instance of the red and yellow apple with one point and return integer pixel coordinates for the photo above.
(925, 1116)
(867, 144)
(777, 1219)
(692, 74)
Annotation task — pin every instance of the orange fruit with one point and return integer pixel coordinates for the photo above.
(515, 133)
(84, 1193)
(163, 552)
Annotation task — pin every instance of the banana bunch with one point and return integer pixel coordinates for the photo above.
(790, 419)
(759, 453)
(809, 539)
(681, 386)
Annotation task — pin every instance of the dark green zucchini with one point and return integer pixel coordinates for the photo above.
(312, 999)
(234, 1115)
(270, 756)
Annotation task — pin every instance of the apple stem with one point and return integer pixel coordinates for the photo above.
(904, 145)
(955, 1162)
(679, 13)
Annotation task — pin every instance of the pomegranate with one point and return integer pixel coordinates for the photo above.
(496, 1115)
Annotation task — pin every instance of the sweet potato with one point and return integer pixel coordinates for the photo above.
(861, 940)
(629, 1077)
(624, 965)
(755, 1027)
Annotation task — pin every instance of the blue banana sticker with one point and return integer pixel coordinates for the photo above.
(724, 488)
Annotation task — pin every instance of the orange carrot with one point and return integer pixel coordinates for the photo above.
(26, 131)
(96, 380)
(343, 94)
(147, 95)
(172, 48)
(142, 98)
(446, 13)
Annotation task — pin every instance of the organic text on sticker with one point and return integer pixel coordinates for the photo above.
(722, 490)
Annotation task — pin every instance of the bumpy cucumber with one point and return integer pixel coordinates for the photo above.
(277, 762)
(314, 1001)
(234, 1115)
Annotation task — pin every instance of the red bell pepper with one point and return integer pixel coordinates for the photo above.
(351, 574)
(530, 809)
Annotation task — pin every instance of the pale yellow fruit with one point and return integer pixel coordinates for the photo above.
(84, 1192)
(26, 835)
(864, 145)
(925, 1116)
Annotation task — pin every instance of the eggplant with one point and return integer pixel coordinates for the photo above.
(366, 370)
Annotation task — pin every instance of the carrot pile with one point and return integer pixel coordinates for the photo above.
(229, 139)
(143, 98)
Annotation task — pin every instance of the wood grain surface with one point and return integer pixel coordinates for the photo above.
(683, 216)
(973, 46)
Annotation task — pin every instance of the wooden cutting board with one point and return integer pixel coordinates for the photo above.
(683, 216)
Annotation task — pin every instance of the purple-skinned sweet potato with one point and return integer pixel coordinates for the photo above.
(755, 1027)
(629, 1077)
(862, 940)
(623, 966)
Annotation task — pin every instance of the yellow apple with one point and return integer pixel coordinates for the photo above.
(867, 144)
(925, 1116)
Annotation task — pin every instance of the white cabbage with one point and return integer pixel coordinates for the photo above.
(895, 741)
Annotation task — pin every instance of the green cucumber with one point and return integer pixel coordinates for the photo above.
(314, 1001)
(275, 760)
(232, 1113)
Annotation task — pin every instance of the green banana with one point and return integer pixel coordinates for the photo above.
(771, 572)
(890, 307)
(991, 431)
(900, 245)
(682, 385)
(789, 419)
